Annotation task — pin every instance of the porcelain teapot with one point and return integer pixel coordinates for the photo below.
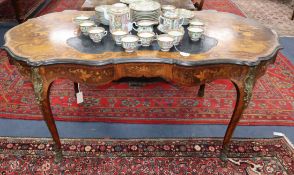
(119, 17)
(170, 20)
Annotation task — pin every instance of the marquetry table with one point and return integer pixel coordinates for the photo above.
(50, 47)
(91, 4)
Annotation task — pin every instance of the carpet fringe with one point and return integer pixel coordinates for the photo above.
(255, 168)
(285, 137)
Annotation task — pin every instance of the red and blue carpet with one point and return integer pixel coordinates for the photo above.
(156, 102)
(160, 156)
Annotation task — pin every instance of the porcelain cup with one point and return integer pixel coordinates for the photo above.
(117, 35)
(81, 18)
(85, 26)
(165, 42)
(195, 33)
(165, 8)
(196, 23)
(130, 43)
(146, 38)
(177, 35)
(97, 33)
(169, 21)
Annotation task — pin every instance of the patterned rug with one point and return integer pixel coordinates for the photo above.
(275, 14)
(157, 156)
(8, 12)
(156, 101)
(60, 5)
(222, 6)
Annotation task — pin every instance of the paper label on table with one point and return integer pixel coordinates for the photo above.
(80, 98)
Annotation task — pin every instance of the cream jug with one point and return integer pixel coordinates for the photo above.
(144, 26)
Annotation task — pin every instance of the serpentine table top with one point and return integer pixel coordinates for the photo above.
(43, 40)
(49, 47)
(90, 5)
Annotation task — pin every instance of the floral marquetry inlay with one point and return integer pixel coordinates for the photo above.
(143, 70)
(91, 75)
(96, 76)
(83, 74)
(205, 74)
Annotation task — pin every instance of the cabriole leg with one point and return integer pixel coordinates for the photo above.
(201, 90)
(41, 88)
(76, 87)
(244, 92)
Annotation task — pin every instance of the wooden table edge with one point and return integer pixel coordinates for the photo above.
(142, 60)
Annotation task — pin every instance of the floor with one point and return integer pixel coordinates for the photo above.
(288, 44)
(25, 128)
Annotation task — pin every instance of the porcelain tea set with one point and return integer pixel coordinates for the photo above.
(117, 16)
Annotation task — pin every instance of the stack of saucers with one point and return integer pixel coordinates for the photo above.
(145, 10)
(130, 1)
(101, 13)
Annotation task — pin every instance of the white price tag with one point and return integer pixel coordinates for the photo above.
(80, 98)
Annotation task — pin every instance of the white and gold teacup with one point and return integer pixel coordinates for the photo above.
(165, 8)
(117, 35)
(196, 23)
(146, 38)
(81, 18)
(130, 43)
(85, 26)
(165, 41)
(177, 35)
(195, 33)
(97, 33)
